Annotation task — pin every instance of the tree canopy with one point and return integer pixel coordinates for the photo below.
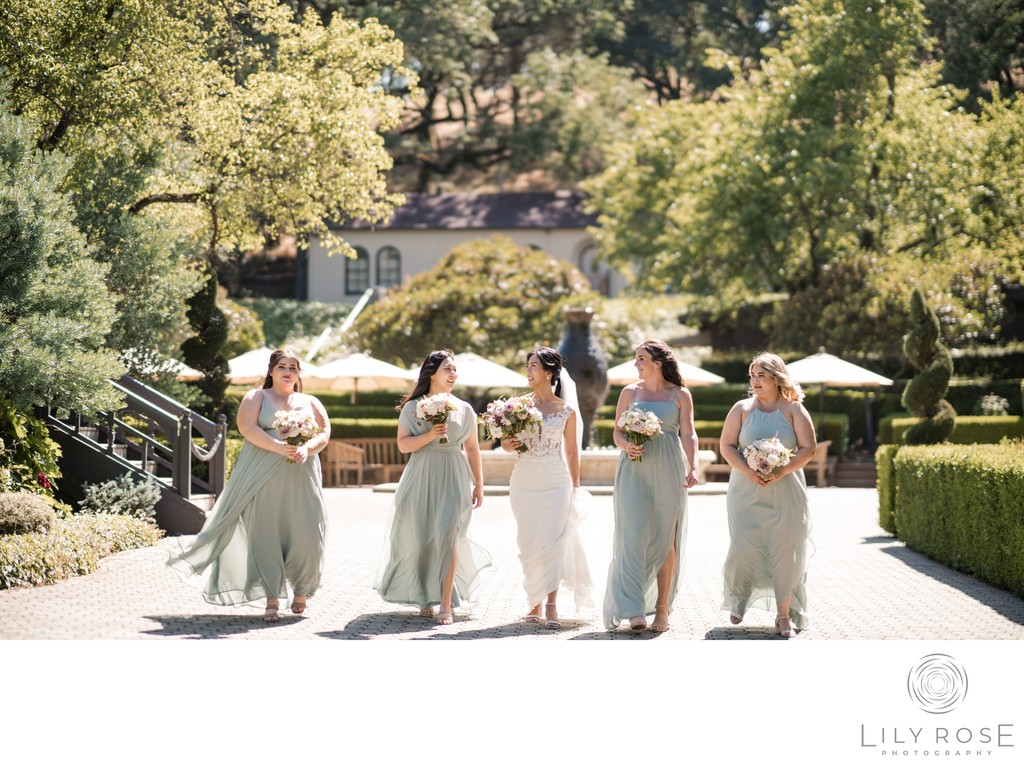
(840, 174)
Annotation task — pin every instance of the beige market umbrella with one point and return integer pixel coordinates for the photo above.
(828, 370)
(249, 367)
(355, 373)
(625, 373)
(476, 372)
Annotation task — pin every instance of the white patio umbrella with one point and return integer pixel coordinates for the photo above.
(828, 370)
(476, 372)
(355, 373)
(625, 373)
(249, 367)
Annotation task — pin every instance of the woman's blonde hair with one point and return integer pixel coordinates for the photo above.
(789, 389)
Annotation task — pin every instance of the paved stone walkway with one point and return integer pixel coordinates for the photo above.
(862, 584)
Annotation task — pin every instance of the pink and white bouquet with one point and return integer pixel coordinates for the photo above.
(640, 426)
(435, 409)
(764, 455)
(505, 418)
(295, 426)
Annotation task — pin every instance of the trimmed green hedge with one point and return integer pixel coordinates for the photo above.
(71, 547)
(884, 456)
(972, 429)
(961, 505)
(359, 428)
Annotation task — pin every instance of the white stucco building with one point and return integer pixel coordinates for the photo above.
(429, 226)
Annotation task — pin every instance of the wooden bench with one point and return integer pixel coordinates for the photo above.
(384, 462)
(821, 464)
(339, 460)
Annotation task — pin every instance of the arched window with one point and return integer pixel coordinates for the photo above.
(389, 266)
(357, 272)
(598, 273)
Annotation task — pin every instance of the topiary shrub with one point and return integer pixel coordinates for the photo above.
(923, 396)
(884, 457)
(122, 496)
(24, 512)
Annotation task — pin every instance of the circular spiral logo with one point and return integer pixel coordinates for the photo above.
(937, 683)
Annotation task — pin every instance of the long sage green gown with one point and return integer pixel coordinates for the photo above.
(769, 531)
(430, 515)
(649, 503)
(266, 531)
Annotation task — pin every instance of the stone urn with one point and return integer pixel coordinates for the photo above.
(586, 363)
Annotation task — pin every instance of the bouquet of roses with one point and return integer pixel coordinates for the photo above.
(295, 426)
(763, 455)
(434, 409)
(639, 426)
(510, 417)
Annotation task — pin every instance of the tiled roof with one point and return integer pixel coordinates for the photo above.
(506, 210)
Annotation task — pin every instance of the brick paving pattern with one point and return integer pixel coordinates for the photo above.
(862, 584)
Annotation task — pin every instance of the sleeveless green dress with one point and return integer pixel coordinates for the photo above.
(769, 531)
(266, 533)
(649, 501)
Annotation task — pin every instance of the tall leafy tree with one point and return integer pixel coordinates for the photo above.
(55, 310)
(839, 174)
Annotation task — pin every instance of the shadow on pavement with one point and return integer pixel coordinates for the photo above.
(367, 626)
(998, 599)
(205, 626)
(741, 634)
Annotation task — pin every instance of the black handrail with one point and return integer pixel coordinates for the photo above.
(174, 449)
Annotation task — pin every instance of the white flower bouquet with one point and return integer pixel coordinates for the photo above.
(765, 455)
(640, 426)
(295, 426)
(435, 409)
(505, 418)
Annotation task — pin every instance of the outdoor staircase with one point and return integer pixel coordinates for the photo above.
(856, 473)
(151, 437)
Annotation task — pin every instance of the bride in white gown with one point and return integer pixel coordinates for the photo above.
(545, 493)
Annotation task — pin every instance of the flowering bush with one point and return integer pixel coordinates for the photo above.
(505, 418)
(639, 426)
(993, 404)
(435, 409)
(24, 512)
(765, 455)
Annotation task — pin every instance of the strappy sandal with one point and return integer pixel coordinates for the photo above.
(735, 619)
(785, 630)
(549, 622)
(533, 617)
(270, 613)
(638, 624)
(298, 607)
(445, 618)
(656, 626)
(427, 611)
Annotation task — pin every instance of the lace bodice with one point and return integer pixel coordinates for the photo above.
(548, 441)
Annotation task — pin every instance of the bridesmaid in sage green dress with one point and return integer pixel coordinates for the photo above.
(267, 530)
(769, 521)
(650, 495)
(428, 560)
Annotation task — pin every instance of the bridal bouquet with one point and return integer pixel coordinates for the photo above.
(434, 409)
(295, 426)
(764, 455)
(639, 426)
(510, 417)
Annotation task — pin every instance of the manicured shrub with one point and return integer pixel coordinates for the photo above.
(24, 512)
(923, 396)
(970, 429)
(122, 496)
(69, 548)
(342, 428)
(961, 505)
(884, 457)
(232, 447)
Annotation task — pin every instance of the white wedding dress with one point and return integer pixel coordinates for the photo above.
(548, 513)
